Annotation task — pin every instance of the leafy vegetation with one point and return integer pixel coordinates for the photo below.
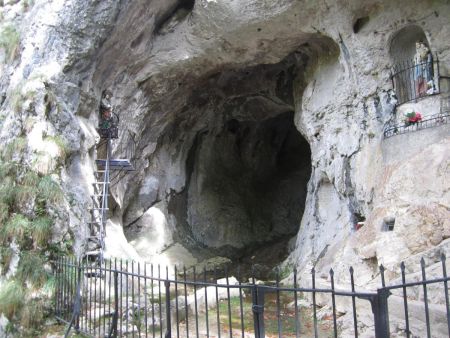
(26, 201)
(12, 298)
(31, 269)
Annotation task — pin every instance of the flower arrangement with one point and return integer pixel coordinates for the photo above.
(412, 118)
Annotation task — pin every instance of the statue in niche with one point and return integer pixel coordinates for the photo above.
(106, 110)
(423, 69)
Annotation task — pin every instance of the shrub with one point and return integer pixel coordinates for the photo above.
(41, 230)
(4, 212)
(17, 226)
(6, 254)
(25, 193)
(31, 269)
(12, 297)
(49, 190)
(7, 190)
(32, 314)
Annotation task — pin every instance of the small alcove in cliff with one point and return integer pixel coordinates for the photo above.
(403, 44)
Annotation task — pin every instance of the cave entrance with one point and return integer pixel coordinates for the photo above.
(247, 188)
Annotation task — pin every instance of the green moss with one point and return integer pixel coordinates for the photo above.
(12, 298)
(9, 41)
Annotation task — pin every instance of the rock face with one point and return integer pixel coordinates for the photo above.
(254, 122)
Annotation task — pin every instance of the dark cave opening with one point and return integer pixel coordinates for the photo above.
(247, 188)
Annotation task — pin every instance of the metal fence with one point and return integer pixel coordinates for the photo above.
(427, 122)
(129, 299)
(414, 80)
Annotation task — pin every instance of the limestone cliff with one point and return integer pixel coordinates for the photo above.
(255, 123)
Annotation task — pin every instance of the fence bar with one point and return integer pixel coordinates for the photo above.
(241, 308)
(169, 324)
(405, 300)
(278, 303)
(425, 297)
(313, 276)
(127, 310)
(116, 304)
(228, 303)
(217, 303)
(139, 298)
(206, 302)
(153, 302)
(297, 319)
(121, 299)
(195, 303)
(379, 303)
(185, 302)
(333, 300)
(177, 315)
(444, 274)
(352, 281)
(160, 300)
(145, 301)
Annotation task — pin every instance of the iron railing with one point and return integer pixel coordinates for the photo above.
(428, 122)
(412, 81)
(129, 299)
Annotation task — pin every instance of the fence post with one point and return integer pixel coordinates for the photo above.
(113, 329)
(380, 311)
(169, 324)
(258, 311)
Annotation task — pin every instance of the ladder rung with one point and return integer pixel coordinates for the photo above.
(100, 195)
(92, 253)
(98, 208)
(101, 183)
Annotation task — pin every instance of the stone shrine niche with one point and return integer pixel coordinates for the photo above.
(403, 44)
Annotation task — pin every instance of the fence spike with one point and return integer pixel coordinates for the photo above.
(351, 270)
(402, 266)
(331, 272)
(443, 258)
(422, 263)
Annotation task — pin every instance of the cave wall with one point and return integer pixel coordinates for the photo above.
(180, 75)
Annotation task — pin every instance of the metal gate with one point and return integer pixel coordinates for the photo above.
(129, 299)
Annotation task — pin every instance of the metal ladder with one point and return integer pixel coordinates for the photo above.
(99, 211)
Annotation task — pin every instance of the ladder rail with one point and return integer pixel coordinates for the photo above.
(104, 206)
